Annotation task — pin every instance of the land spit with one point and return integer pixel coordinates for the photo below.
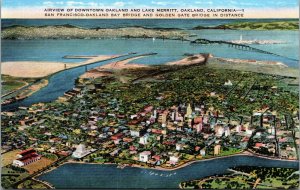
(39, 69)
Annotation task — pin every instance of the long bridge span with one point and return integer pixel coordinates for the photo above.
(238, 46)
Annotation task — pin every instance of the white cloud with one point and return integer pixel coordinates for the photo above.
(51, 3)
(119, 4)
(159, 3)
(204, 3)
(164, 3)
(93, 4)
(48, 3)
(72, 3)
(59, 3)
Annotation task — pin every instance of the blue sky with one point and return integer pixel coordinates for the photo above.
(256, 4)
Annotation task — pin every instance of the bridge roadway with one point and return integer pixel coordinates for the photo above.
(237, 46)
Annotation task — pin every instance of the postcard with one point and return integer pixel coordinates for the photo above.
(113, 94)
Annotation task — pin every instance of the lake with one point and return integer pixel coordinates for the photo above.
(72, 175)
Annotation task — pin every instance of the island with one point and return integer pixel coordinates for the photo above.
(259, 25)
(17, 32)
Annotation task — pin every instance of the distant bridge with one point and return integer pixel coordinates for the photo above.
(237, 46)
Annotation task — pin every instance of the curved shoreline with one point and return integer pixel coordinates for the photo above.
(60, 71)
(47, 184)
(245, 153)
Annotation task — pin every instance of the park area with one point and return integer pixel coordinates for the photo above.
(246, 177)
(8, 157)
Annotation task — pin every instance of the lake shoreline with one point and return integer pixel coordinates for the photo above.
(246, 154)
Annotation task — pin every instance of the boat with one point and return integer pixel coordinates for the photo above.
(121, 166)
(13, 100)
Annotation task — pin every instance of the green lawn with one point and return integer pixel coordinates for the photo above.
(11, 85)
(30, 184)
(10, 176)
(229, 152)
(270, 178)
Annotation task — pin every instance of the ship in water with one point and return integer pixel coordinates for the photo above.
(12, 100)
(260, 42)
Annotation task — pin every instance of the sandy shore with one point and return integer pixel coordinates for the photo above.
(95, 73)
(125, 64)
(34, 88)
(253, 62)
(190, 60)
(30, 69)
(106, 70)
(38, 69)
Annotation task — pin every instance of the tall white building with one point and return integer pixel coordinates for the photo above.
(202, 152)
(189, 111)
(227, 131)
(228, 83)
(174, 159)
(154, 114)
(144, 156)
(144, 139)
(238, 128)
(135, 133)
(219, 130)
(80, 151)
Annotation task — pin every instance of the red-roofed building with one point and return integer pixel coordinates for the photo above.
(132, 148)
(24, 152)
(148, 109)
(198, 120)
(64, 153)
(121, 116)
(134, 122)
(258, 145)
(126, 139)
(26, 157)
(156, 157)
(171, 142)
(156, 131)
(117, 136)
